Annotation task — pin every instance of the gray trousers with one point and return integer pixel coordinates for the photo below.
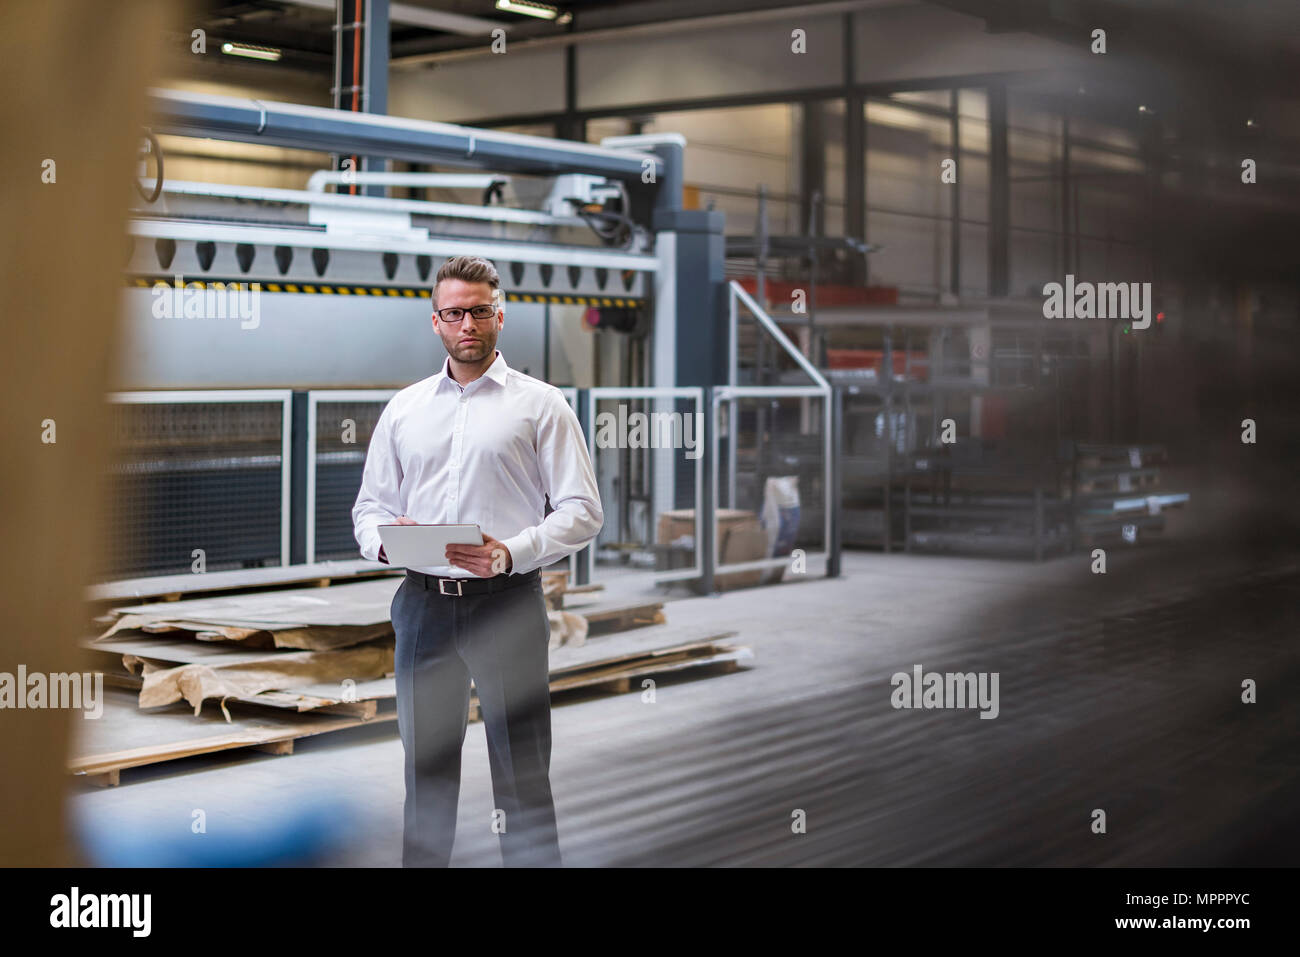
(500, 641)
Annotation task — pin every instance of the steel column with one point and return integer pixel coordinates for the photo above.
(299, 519)
(705, 516)
(999, 193)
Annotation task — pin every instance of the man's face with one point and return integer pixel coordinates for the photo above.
(470, 340)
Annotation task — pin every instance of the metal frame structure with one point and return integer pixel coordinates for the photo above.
(314, 398)
(319, 198)
(730, 394)
(706, 562)
(283, 396)
(733, 391)
(271, 236)
(695, 393)
(571, 396)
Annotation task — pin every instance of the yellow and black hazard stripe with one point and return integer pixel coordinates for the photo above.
(348, 289)
(620, 301)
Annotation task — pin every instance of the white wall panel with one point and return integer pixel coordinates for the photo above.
(506, 84)
(928, 41)
(301, 341)
(744, 59)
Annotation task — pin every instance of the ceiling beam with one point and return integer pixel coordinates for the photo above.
(412, 16)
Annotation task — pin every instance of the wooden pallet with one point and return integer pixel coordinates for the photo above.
(616, 675)
(610, 616)
(127, 737)
(610, 673)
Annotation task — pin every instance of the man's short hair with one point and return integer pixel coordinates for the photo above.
(468, 269)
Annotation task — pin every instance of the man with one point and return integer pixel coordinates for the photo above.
(477, 443)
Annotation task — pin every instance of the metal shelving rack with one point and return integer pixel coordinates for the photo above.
(1117, 493)
(1014, 517)
(752, 256)
(900, 485)
(903, 486)
(976, 495)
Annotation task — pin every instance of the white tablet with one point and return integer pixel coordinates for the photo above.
(418, 546)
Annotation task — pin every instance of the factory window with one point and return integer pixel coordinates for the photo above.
(937, 99)
(598, 129)
(1034, 149)
(1077, 193)
(731, 152)
(833, 223)
(973, 183)
(529, 129)
(909, 209)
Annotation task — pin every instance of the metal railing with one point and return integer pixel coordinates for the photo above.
(730, 393)
(664, 395)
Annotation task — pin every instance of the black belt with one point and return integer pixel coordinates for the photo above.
(457, 587)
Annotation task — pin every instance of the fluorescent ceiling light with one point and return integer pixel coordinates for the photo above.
(528, 8)
(252, 52)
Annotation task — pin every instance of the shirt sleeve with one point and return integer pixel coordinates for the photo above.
(379, 500)
(570, 482)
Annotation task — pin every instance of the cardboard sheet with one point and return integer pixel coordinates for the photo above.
(165, 684)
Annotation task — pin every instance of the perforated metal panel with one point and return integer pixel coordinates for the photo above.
(343, 424)
(196, 474)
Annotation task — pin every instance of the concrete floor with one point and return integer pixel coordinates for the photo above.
(1118, 691)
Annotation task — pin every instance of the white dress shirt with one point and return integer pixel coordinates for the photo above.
(488, 453)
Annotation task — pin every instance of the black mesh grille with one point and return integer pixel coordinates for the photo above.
(194, 475)
(339, 465)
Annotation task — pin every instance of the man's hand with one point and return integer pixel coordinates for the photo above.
(490, 558)
(401, 520)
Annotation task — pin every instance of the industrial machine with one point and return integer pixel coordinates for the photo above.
(265, 328)
(567, 223)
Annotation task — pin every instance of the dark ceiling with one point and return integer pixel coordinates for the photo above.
(1204, 67)
(1250, 47)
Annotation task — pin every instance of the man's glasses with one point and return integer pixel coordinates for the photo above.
(455, 314)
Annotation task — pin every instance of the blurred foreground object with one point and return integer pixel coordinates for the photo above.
(78, 71)
(306, 832)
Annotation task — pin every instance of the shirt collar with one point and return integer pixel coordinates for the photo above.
(497, 372)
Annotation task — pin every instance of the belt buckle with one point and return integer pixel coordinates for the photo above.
(442, 587)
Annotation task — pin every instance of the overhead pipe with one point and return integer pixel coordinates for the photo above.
(326, 130)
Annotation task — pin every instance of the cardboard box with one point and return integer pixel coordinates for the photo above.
(741, 538)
